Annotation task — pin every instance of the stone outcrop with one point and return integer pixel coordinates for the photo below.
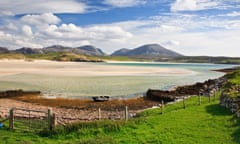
(206, 88)
(14, 93)
(230, 98)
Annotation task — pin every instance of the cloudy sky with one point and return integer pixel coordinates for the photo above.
(191, 27)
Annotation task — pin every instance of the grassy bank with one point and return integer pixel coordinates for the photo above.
(207, 123)
(68, 56)
(64, 56)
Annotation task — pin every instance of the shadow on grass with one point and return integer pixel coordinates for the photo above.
(236, 134)
(217, 110)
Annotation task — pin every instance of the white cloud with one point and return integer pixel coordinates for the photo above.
(16, 41)
(6, 13)
(72, 32)
(10, 27)
(171, 43)
(192, 5)
(14, 7)
(45, 18)
(44, 30)
(184, 33)
(233, 14)
(124, 3)
(27, 31)
(234, 24)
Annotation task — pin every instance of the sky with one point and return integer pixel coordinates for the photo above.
(190, 27)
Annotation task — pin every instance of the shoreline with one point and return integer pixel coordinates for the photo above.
(55, 68)
(75, 110)
(81, 70)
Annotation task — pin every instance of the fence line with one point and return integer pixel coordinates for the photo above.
(34, 119)
(29, 120)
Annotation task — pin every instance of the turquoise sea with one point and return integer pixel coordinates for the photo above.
(81, 87)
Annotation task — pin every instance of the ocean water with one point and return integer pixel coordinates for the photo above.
(83, 87)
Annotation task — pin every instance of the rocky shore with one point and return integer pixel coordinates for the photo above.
(206, 88)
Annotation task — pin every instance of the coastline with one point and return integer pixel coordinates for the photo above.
(50, 76)
(74, 110)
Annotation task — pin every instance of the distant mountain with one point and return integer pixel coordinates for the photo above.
(84, 50)
(148, 50)
(25, 50)
(3, 50)
(89, 50)
(121, 52)
(57, 48)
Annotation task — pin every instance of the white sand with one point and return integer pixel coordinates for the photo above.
(44, 67)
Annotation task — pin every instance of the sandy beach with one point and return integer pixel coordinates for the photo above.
(44, 67)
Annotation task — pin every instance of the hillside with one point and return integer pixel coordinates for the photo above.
(89, 50)
(3, 50)
(83, 50)
(149, 50)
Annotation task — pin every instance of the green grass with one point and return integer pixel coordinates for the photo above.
(64, 56)
(208, 123)
(12, 56)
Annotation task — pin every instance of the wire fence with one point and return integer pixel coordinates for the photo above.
(28, 120)
(36, 120)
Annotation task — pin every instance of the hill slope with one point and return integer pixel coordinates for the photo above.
(89, 50)
(147, 50)
(3, 50)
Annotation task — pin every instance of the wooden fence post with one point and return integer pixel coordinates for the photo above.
(214, 95)
(54, 121)
(99, 114)
(184, 105)
(199, 99)
(50, 119)
(11, 119)
(209, 98)
(162, 107)
(126, 112)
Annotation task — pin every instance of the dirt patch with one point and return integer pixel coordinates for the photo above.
(134, 104)
(74, 110)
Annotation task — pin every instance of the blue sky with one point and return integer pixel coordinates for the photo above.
(191, 27)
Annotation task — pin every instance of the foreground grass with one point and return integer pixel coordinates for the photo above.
(208, 123)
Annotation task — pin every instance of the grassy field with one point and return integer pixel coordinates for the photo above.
(208, 123)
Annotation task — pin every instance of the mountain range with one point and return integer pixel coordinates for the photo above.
(148, 50)
(85, 50)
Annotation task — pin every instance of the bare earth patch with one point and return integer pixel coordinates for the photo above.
(72, 110)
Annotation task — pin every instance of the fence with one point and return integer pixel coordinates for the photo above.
(30, 120)
(207, 98)
(34, 120)
(93, 115)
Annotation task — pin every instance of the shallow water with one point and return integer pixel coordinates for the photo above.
(75, 86)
